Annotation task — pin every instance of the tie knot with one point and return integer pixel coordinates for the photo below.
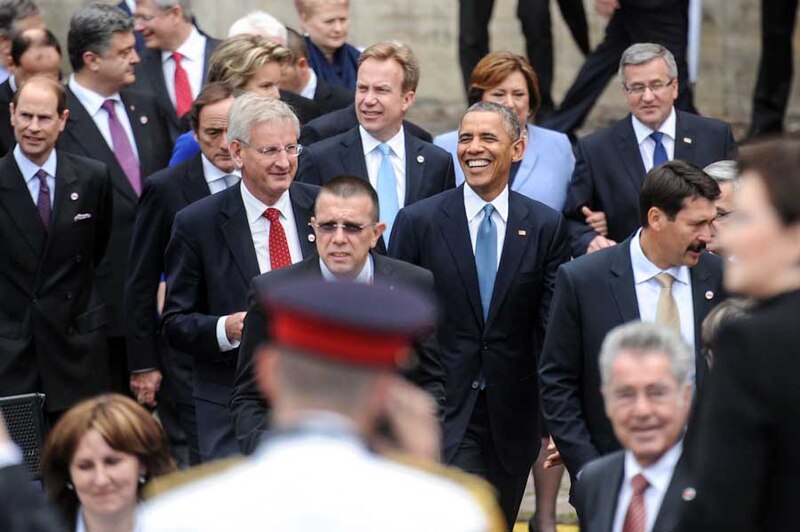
(488, 209)
(657, 136)
(108, 105)
(41, 175)
(639, 484)
(177, 57)
(665, 279)
(272, 214)
(384, 149)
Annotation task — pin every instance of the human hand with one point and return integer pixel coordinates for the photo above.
(145, 386)
(599, 242)
(596, 220)
(553, 458)
(412, 424)
(234, 324)
(606, 8)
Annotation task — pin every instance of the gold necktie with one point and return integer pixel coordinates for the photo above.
(667, 310)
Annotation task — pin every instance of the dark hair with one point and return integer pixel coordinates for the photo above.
(35, 38)
(91, 30)
(296, 43)
(214, 92)
(348, 186)
(668, 185)
(12, 11)
(52, 84)
(727, 313)
(123, 424)
(776, 161)
(494, 68)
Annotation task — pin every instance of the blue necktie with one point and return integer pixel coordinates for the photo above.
(387, 191)
(486, 257)
(660, 153)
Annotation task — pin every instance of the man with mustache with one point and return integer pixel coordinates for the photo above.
(660, 274)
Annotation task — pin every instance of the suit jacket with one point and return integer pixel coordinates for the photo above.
(609, 172)
(429, 169)
(150, 78)
(597, 493)
(594, 294)
(23, 508)
(82, 137)
(140, 46)
(248, 406)
(434, 234)
(52, 335)
(304, 108)
(210, 261)
(7, 140)
(329, 97)
(164, 194)
(335, 122)
(748, 426)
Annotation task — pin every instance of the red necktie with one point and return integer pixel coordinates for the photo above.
(183, 92)
(636, 518)
(278, 247)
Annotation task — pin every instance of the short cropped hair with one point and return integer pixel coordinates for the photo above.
(250, 110)
(644, 52)
(186, 5)
(91, 30)
(212, 93)
(510, 121)
(728, 312)
(38, 38)
(645, 339)
(48, 82)
(402, 53)
(296, 43)
(776, 162)
(12, 11)
(237, 59)
(259, 23)
(348, 186)
(724, 171)
(494, 68)
(668, 185)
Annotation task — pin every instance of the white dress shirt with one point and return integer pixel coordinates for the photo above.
(474, 204)
(648, 289)
(193, 50)
(365, 276)
(647, 146)
(216, 179)
(93, 103)
(310, 90)
(397, 155)
(259, 231)
(658, 475)
(28, 170)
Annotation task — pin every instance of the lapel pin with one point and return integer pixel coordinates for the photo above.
(143, 120)
(74, 196)
(420, 159)
(689, 494)
(522, 232)
(709, 295)
(687, 140)
(132, 107)
(312, 238)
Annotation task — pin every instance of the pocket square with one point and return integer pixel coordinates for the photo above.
(83, 216)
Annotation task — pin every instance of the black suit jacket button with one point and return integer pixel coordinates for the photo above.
(476, 385)
(68, 295)
(485, 346)
(70, 330)
(78, 258)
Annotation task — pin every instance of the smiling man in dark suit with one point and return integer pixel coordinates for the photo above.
(220, 243)
(660, 274)
(494, 256)
(399, 166)
(603, 197)
(55, 218)
(122, 129)
(647, 390)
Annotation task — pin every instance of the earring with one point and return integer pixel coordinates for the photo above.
(142, 479)
(70, 487)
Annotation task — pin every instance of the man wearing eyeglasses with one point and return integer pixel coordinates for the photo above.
(602, 206)
(347, 229)
(220, 243)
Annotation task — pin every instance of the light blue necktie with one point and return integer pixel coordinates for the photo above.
(486, 257)
(660, 153)
(387, 191)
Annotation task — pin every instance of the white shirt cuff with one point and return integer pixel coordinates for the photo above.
(222, 336)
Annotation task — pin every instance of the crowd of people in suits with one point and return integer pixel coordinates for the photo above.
(249, 238)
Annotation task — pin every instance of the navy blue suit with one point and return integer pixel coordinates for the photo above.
(609, 172)
(594, 294)
(210, 261)
(434, 234)
(336, 122)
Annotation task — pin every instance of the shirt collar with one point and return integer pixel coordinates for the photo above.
(12, 82)
(28, 168)
(644, 269)
(396, 143)
(193, 48)
(255, 208)
(90, 100)
(643, 132)
(659, 474)
(311, 87)
(212, 173)
(473, 203)
(365, 276)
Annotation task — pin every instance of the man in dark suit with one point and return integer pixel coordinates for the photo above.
(220, 243)
(34, 51)
(400, 167)
(344, 204)
(164, 194)
(647, 390)
(55, 217)
(301, 79)
(175, 64)
(660, 274)
(602, 200)
(122, 129)
(336, 122)
(129, 6)
(494, 256)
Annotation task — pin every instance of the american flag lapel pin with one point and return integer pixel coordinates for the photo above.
(522, 232)
(687, 140)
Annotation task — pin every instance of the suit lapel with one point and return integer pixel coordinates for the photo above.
(64, 206)
(352, 155)
(141, 131)
(236, 231)
(518, 227)
(16, 199)
(701, 304)
(622, 283)
(684, 139)
(303, 209)
(670, 511)
(195, 186)
(415, 168)
(384, 269)
(628, 150)
(608, 497)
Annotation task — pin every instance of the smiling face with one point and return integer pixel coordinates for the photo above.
(266, 80)
(651, 107)
(512, 93)
(36, 121)
(486, 151)
(265, 177)
(158, 26)
(380, 100)
(212, 134)
(647, 407)
(327, 25)
(105, 480)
